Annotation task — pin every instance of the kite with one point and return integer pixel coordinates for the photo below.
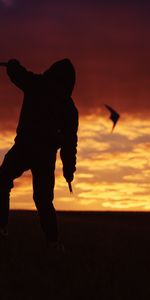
(114, 116)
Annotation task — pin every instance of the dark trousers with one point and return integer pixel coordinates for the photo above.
(41, 161)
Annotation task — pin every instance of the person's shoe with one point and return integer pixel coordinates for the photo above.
(56, 247)
(3, 232)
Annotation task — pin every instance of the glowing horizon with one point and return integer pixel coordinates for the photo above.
(112, 169)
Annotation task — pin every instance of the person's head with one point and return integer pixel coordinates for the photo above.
(62, 73)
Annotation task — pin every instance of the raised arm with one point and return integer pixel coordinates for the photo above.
(19, 75)
(3, 64)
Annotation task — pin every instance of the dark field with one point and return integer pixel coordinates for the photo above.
(107, 257)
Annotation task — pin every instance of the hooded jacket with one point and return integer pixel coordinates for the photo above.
(48, 114)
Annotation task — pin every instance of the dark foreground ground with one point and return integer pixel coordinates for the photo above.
(107, 257)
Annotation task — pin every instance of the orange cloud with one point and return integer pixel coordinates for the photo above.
(112, 169)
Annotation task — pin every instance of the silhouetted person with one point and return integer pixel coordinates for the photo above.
(48, 121)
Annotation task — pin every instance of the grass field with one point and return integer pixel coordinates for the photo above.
(107, 257)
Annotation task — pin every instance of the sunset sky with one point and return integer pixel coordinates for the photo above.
(109, 45)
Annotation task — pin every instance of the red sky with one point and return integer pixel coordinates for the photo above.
(108, 43)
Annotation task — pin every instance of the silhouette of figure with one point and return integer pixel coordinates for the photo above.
(48, 122)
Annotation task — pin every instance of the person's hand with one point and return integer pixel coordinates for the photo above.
(13, 61)
(69, 177)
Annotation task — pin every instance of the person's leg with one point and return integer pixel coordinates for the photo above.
(43, 193)
(12, 167)
(5, 187)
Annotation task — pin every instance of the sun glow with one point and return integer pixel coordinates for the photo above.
(113, 170)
